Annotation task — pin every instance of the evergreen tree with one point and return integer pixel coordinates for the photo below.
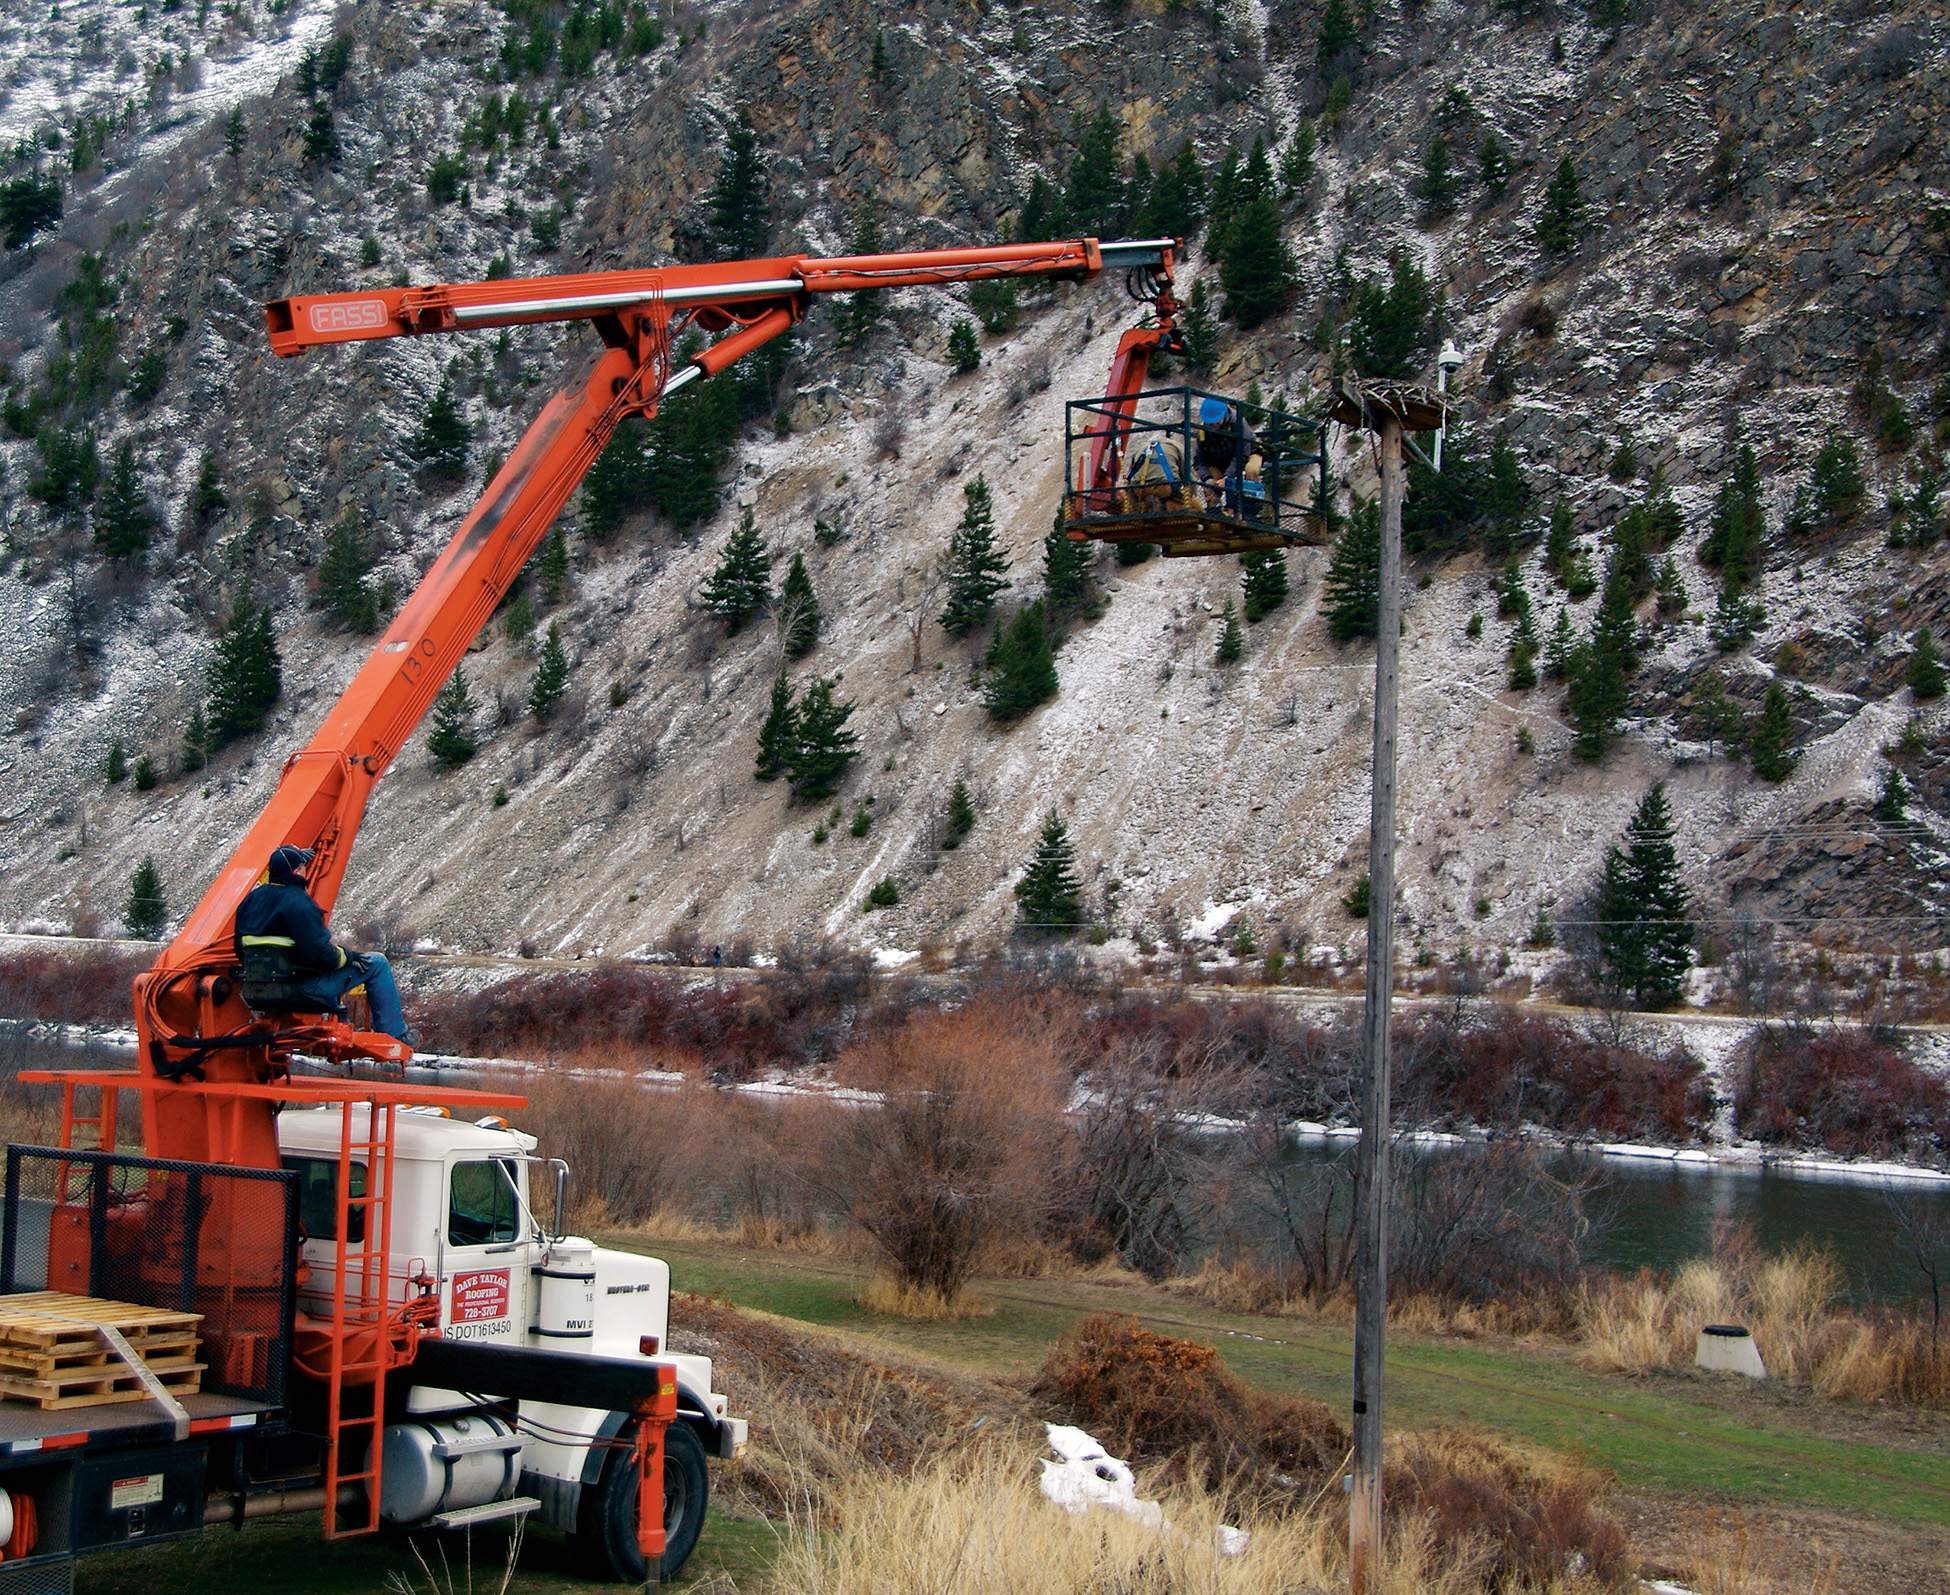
(1024, 667)
(861, 312)
(618, 484)
(1049, 897)
(440, 444)
(877, 64)
(196, 742)
(207, 499)
(740, 225)
(246, 675)
(148, 911)
(553, 576)
(1835, 482)
(342, 575)
(1388, 325)
(1066, 568)
(1924, 673)
(1644, 936)
(964, 353)
(741, 586)
(1561, 651)
(321, 137)
(450, 741)
(798, 611)
(1297, 164)
(1264, 588)
(974, 564)
(1734, 535)
(1561, 545)
(1255, 265)
(961, 816)
(1722, 721)
(1601, 669)
(1041, 219)
(1507, 496)
(1670, 587)
(1219, 208)
(1178, 202)
(1561, 225)
(1493, 165)
(70, 469)
(1201, 332)
(778, 737)
(1351, 589)
(1768, 745)
(1339, 39)
(1440, 182)
(1232, 641)
(1523, 652)
(236, 134)
(822, 747)
(122, 518)
(1096, 198)
(551, 676)
(115, 768)
(1892, 802)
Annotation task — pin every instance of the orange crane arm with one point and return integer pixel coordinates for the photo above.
(189, 1017)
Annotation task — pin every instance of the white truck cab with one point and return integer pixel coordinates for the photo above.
(463, 1220)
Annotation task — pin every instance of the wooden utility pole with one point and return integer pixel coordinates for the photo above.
(1372, 1182)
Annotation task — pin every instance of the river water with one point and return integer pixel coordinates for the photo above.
(1654, 1213)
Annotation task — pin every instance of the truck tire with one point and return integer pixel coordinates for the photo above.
(605, 1539)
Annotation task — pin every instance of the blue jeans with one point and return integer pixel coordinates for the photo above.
(371, 971)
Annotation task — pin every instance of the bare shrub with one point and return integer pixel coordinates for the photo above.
(1850, 1091)
(84, 985)
(629, 1153)
(889, 432)
(963, 1142)
(1487, 1225)
(1538, 318)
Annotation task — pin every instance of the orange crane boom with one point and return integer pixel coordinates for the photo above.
(191, 1021)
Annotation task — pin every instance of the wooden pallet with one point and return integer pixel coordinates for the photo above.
(52, 1355)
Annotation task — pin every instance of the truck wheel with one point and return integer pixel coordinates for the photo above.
(605, 1540)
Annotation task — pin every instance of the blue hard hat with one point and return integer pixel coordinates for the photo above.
(1212, 411)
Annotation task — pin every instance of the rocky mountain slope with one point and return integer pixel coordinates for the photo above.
(1766, 188)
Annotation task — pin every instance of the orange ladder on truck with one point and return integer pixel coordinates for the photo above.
(362, 1348)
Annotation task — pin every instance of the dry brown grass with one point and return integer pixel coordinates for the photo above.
(1738, 1555)
(1790, 1301)
(892, 1298)
(1246, 1285)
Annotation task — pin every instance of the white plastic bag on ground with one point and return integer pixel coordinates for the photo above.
(1086, 1477)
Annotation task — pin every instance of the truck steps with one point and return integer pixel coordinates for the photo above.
(468, 1517)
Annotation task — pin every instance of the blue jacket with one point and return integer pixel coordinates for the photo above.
(282, 908)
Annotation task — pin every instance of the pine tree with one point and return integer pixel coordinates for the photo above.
(1066, 568)
(553, 576)
(1924, 674)
(551, 676)
(440, 444)
(823, 747)
(236, 134)
(861, 312)
(1602, 667)
(1255, 265)
(321, 137)
(778, 737)
(1388, 325)
(1049, 897)
(1561, 545)
(1139, 189)
(1561, 225)
(342, 574)
(741, 586)
(1232, 641)
(961, 816)
(115, 768)
(1892, 802)
(1338, 38)
(1768, 744)
(1644, 937)
(1041, 218)
(798, 611)
(1440, 183)
(207, 498)
(618, 484)
(740, 225)
(1738, 525)
(1219, 208)
(122, 517)
(974, 564)
(964, 352)
(450, 742)
(70, 469)
(1201, 332)
(1264, 588)
(1096, 197)
(1493, 165)
(1523, 652)
(148, 911)
(1561, 650)
(1178, 204)
(1835, 482)
(246, 675)
(1023, 665)
(1351, 589)
(196, 742)
(1297, 164)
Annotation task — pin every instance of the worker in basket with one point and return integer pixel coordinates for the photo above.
(1154, 479)
(279, 923)
(1227, 451)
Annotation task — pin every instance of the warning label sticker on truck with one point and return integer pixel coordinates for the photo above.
(125, 1493)
(480, 1296)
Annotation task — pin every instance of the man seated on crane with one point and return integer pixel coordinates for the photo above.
(279, 916)
(1227, 449)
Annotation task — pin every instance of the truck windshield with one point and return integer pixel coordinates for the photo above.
(481, 1207)
(318, 1198)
